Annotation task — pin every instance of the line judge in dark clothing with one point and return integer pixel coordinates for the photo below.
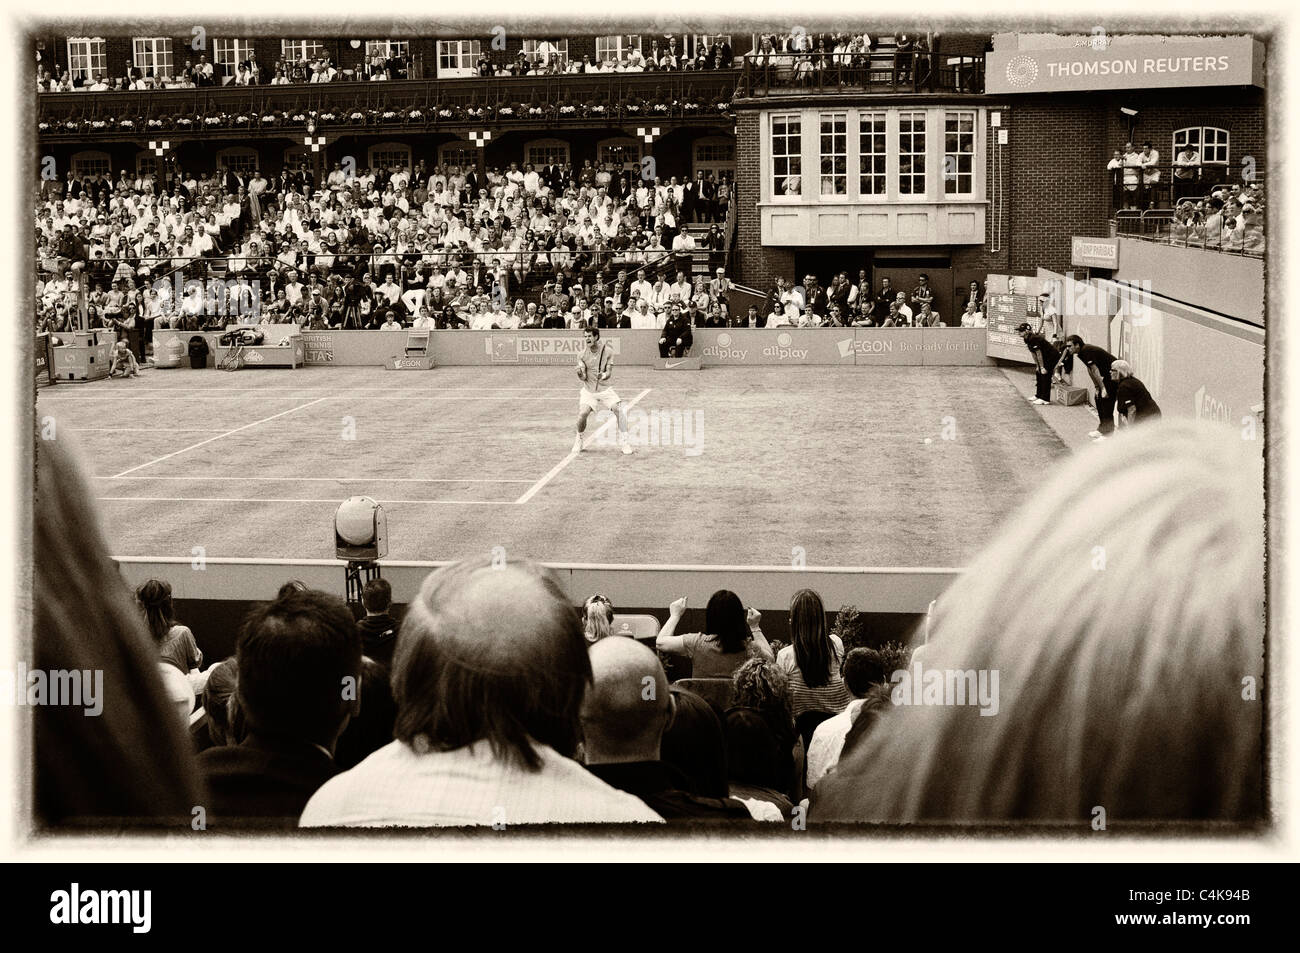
(1098, 361)
(1046, 357)
(624, 714)
(1134, 401)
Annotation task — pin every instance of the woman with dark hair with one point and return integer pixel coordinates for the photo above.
(176, 645)
(133, 762)
(731, 637)
(812, 661)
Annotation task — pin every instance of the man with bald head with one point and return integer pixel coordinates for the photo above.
(489, 673)
(624, 716)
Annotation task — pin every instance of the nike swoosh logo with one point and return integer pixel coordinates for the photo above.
(678, 364)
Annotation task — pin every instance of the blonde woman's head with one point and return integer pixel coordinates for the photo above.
(1122, 610)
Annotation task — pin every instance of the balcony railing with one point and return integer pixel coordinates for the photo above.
(1162, 227)
(395, 105)
(783, 74)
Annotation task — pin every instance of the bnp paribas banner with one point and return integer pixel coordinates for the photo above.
(1043, 63)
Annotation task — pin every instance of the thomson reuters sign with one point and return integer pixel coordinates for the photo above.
(1126, 63)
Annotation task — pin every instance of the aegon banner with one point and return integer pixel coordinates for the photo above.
(1017, 65)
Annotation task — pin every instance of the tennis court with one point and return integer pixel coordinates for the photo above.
(875, 466)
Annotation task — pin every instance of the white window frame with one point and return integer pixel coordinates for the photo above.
(776, 190)
(968, 154)
(557, 145)
(93, 51)
(392, 49)
(691, 42)
(623, 43)
(465, 53)
(230, 56)
(529, 49)
(923, 153)
(877, 171)
(449, 152)
(390, 150)
(149, 52)
(842, 118)
(633, 147)
(299, 154)
(146, 162)
(294, 51)
(247, 159)
(79, 161)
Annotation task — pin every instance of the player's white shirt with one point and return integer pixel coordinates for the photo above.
(594, 393)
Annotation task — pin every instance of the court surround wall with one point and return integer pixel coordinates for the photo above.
(640, 347)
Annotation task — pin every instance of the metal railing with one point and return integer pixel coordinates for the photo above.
(392, 105)
(1160, 226)
(775, 73)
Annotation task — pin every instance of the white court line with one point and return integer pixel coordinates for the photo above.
(613, 419)
(335, 501)
(369, 479)
(227, 433)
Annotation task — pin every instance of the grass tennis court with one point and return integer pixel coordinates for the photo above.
(464, 459)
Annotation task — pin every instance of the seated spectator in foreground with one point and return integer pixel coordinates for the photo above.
(372, 726)
(378, 628)
(622, 729)
(812, 661)
(131, 762)
(761, 736)
(863, 669)
(488, 677)
(295, 657)
(1132, 697)
(732, 636)
(694, 743)
(225, 722)
(177, 650)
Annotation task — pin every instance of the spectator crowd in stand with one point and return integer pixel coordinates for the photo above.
(1230, 218)
(851, 302)
(436, 247)
(666, 53)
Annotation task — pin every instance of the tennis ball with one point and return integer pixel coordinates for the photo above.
(928, 440)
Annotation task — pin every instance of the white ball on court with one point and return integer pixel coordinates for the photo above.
(928, 440)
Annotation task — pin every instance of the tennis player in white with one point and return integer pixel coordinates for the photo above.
(596, 370)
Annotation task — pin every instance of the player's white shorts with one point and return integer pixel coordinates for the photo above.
(589, 401)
